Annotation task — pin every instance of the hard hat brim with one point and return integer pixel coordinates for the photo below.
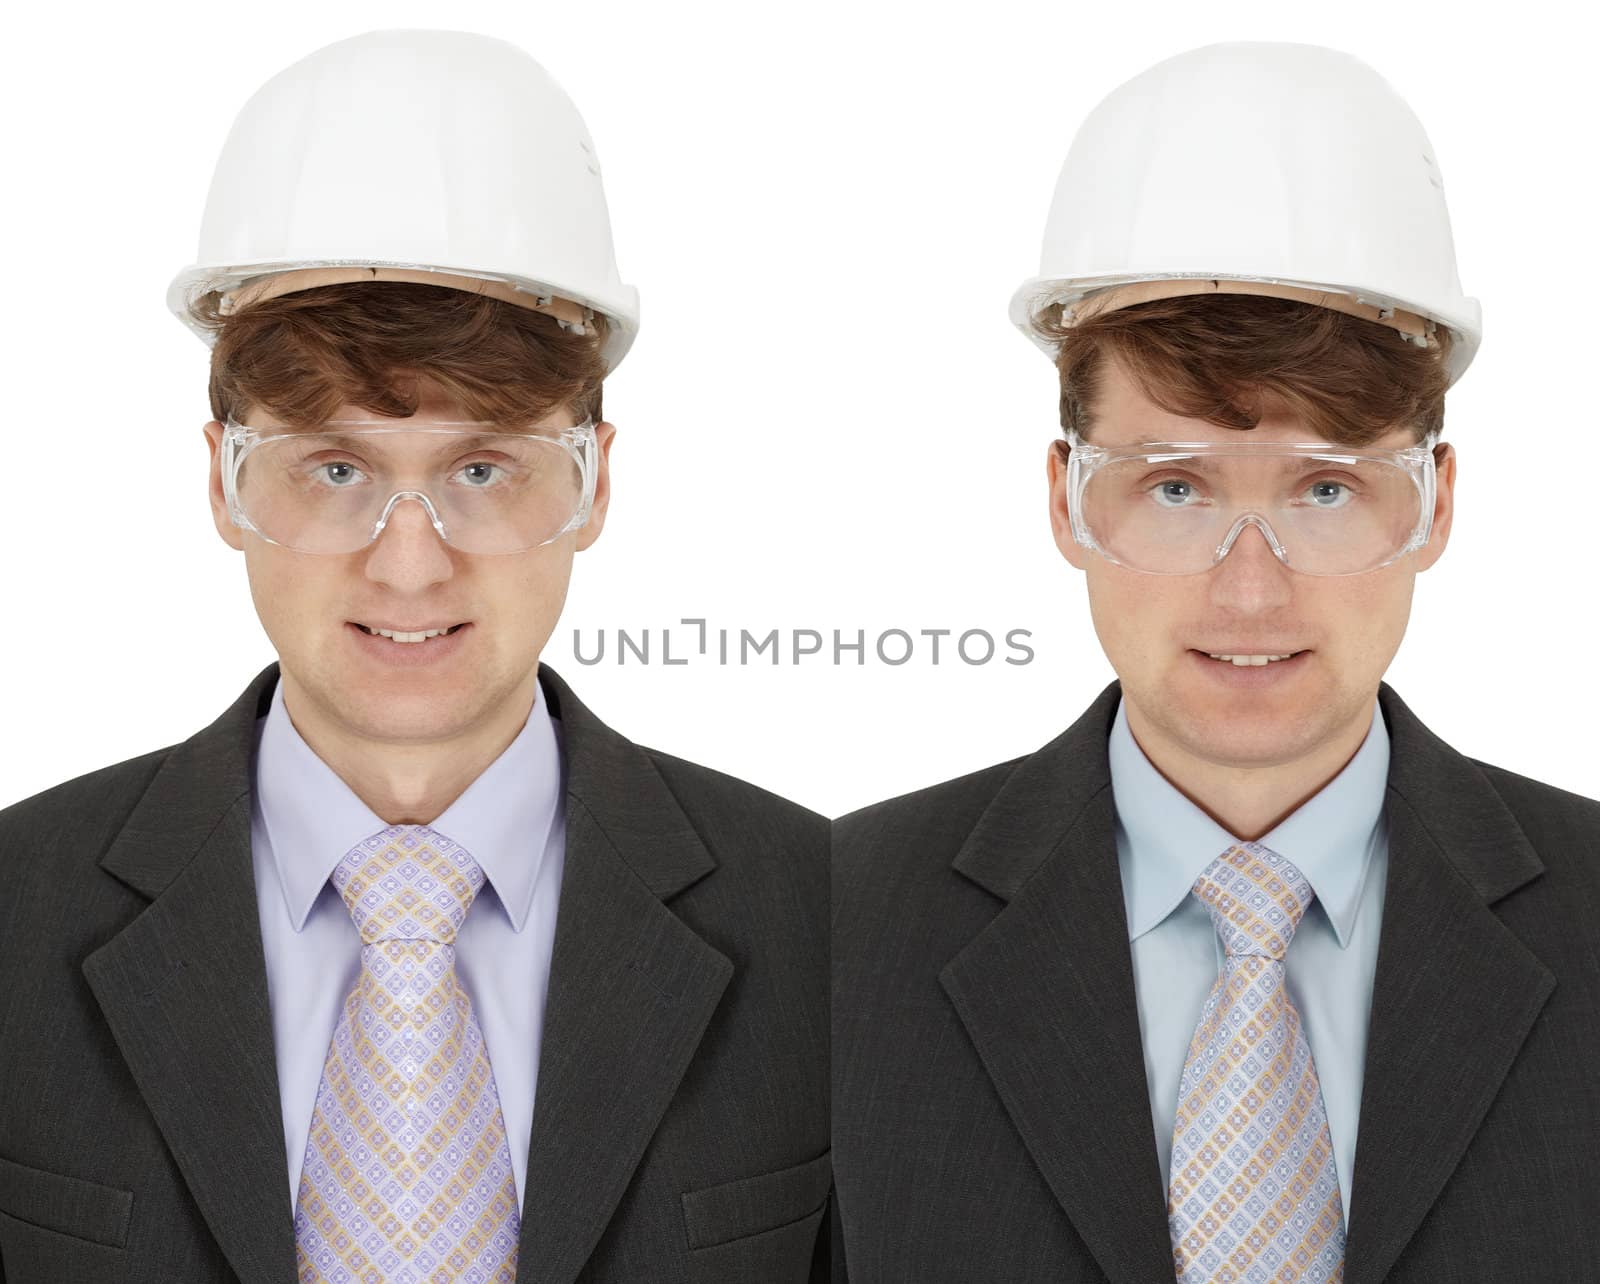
(198, 280)
(1039, 292)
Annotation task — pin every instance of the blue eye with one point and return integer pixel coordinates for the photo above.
(1165, 488)
(337, 463)
(482, 463)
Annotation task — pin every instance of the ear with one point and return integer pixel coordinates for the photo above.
(1444, 505)
(1060, 514)
(604, 431)
(232, 536)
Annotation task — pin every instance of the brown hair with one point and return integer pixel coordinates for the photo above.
(301, 356)
(1230, 358)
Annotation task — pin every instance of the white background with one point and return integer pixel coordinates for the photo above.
(827, 421)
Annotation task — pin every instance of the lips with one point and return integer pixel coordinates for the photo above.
(413, 628)
(1252, 649)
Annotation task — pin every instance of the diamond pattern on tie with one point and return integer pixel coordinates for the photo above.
(1253, 1196)
(407, 1176)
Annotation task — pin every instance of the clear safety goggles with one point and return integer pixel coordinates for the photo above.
(485, 490)
(1176, 508)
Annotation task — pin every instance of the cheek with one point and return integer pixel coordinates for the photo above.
(1132, 613)
(1373, 615)
(536, 588)
(299, 591)
(281, 586)
(1378, 595)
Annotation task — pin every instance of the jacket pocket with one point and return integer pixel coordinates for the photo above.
(69, 1205)
(748, 1206)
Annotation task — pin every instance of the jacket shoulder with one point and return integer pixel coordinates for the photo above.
(912, 834)
(1563, 826)
(106, 791)
(1538, 795)
(706, 793)
(77, 817)
(722, 804)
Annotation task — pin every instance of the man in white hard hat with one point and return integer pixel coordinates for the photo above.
(408, 967)
(1246, 976)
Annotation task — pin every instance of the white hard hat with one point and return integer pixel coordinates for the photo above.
(1260, 168)
(438, 156)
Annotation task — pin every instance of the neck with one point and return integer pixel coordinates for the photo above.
(1249, 802)
(408, 782)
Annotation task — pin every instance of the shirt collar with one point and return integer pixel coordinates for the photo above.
(312, 818)
(1170, 840)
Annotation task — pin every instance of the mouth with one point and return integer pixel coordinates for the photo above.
(1250, 673)
(411, 639)
(1263, 660)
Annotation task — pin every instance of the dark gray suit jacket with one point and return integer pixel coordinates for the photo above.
(991, 1118)
(680, 1131)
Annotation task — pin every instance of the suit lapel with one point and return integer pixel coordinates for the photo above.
(1455, 992)
(183, 988)
(1046, 993)
(632, 988)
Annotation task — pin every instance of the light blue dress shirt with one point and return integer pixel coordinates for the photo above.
(304, 819)
(1338, 839)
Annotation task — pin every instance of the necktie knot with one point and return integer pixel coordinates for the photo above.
(1256, 898)
(408, 882)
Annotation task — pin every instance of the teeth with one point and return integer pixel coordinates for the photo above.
(1242, 660)
(408, 637)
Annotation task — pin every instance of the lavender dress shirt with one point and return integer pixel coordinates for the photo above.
(304, 818)
(1339, 840)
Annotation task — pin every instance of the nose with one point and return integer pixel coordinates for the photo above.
(1250, 580)
(408, 552)
(408, 513)
(1249, 544)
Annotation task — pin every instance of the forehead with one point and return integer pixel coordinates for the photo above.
(1400, 439)
(1263, 434)
(380, 439)
(354, 419)
(435, 408)
(1124, 416)
(375, 432)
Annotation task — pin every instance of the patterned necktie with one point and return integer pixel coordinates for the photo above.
(407, 1176)
(1253, 1195)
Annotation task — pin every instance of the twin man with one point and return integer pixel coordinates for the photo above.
(408, 968)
